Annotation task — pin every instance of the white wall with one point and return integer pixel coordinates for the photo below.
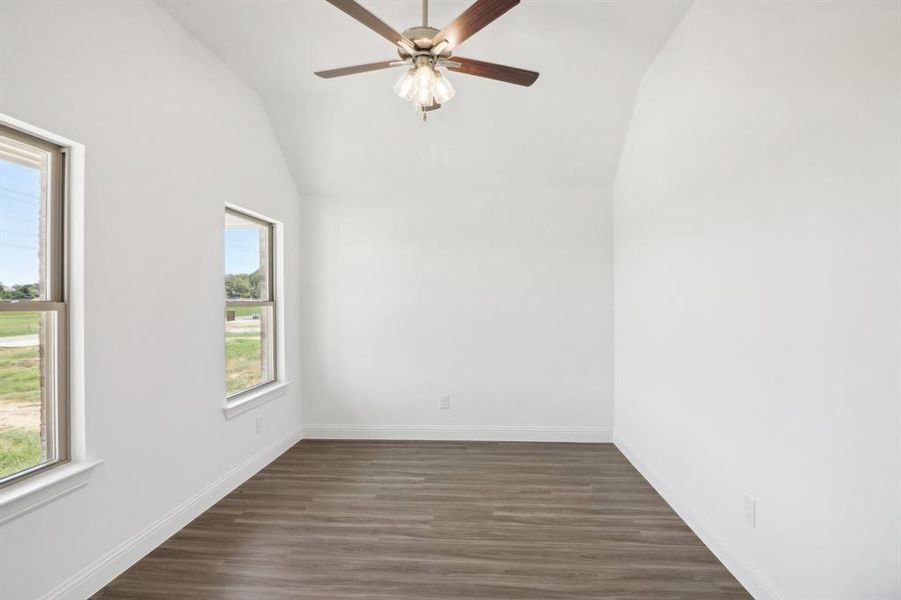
(501, 300)
(469, 256)
(171, 135)
(757, 264)
(757, 272)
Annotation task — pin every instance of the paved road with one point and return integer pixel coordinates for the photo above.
(19, 341)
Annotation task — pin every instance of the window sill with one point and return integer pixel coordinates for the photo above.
(254, 398)
(21, 498)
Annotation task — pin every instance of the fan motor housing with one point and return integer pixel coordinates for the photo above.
(422, 38)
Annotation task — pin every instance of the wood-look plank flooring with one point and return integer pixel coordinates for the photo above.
(436, 521)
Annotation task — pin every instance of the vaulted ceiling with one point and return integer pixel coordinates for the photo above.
(354, 135)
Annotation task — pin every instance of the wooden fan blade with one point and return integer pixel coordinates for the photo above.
(472, 20)
(376, 66)
(489, 70)
(371, 21)
(431, 107)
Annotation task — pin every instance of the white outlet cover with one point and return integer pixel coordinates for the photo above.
(445, 402)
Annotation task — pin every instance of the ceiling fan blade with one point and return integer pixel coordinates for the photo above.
(376, 66)
(489, 70)
(472, 20)
(371, 21)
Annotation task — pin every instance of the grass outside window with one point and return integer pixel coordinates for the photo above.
(21, 446)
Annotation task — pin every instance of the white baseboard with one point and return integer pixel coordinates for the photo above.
(757, 584)
(114, 562)
(459, 433)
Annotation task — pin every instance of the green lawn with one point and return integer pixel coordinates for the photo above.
(20, 374)
(243, 364)
(19, 449)
(20, 323)
(243, 368)
(20, 389)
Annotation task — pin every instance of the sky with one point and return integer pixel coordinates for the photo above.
(242, 250)
(19, 216)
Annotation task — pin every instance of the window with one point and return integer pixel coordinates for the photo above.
(34, 424)
(250, 309)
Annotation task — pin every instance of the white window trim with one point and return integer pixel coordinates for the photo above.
(254, 398)
(34, 492)
(19, 498)
(258, 396)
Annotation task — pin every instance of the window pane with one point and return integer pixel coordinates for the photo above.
(27, 390)
(246, 258)
(24, 172)
(248, 347)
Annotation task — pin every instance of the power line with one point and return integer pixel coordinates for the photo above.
(22, 200)
(18, 246)
(19, 232)
(21, 193)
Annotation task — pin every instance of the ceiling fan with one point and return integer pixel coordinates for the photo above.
(423, 50)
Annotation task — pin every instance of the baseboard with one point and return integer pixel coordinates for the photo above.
(757, 584)
(113, 563)
(459, 433)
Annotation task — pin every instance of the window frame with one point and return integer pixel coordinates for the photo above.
(53, 300)
(270, 302)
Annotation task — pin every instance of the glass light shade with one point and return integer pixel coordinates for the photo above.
(406, 85)
(423, 98)
(443, 90)
(425, 82)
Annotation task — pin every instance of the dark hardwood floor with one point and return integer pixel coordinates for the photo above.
(436, 520)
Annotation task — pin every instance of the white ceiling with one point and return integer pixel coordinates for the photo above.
(353, 135)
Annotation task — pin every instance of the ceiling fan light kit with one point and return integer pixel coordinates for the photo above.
(425, 52)
(424, 86)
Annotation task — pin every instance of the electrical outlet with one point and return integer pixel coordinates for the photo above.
(750, 510)
(445, 402)
(259, 424)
